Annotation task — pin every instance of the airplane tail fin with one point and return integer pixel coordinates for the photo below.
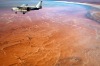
(39, 5)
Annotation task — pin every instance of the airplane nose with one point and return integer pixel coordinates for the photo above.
(12, 9)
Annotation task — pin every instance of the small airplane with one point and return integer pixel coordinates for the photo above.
(25, 8)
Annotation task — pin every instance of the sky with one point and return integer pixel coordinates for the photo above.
(82, 0)
(95, 1)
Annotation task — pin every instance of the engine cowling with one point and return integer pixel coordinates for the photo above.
(28, 9)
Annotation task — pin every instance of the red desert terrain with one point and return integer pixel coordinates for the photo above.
(58, 36)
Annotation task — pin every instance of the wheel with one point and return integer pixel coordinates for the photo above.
(23, 12)
(15, 12)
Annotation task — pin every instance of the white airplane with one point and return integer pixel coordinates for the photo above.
(25, 8)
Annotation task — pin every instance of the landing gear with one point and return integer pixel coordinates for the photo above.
(15, 12)
(23, 12)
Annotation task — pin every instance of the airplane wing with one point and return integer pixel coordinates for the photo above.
(23, 5)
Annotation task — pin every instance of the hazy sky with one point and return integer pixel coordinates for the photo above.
(82, 0)
(57, 0)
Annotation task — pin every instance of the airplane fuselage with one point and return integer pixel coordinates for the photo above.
(27, 8)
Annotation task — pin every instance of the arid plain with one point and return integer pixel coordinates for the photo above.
(61, 35)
